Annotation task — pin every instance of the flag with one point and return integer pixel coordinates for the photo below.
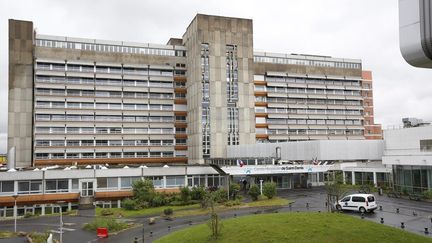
(240, 163)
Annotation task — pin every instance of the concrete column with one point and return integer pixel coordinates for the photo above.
(43, 209)
(69, 206)
(118, 203)
(343, 177)
(164, 182)
(375, 179)
(353, 177)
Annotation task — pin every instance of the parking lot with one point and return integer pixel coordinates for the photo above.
(415, 215)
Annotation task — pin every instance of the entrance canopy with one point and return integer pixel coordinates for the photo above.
(275, 169)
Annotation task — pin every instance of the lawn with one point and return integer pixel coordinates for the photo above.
(296, 227)
(191, 210)
(146, 211)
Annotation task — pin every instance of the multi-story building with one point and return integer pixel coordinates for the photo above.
(85, 101)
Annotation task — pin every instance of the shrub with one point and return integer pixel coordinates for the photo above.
(197, 193)
(106, 212)
(39, 237)
(254, 192)
(185, 194)
(158, 200)
(129, 204)
(232, 203)
(111, 224)
(28, 215)
(143, 190)
(168, 211)
(234, 189)
(220, 195)
(269, 190)
(427, 194)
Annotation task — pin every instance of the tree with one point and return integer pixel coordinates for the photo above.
(254, 192)
(335, 190)
(269, 189)
(233, 190)
(143, 191)
(214, 221)
(185, 194)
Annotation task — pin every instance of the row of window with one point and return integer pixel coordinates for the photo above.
(301, 101)
(102, 69)
(311, 111)
(305, 62)
(306, 90)
(310, 131)
(109, 118)
(125, 142)
(103, 93)
(308, 80)
(110, 48)
(307, 122)
(104, 106)
(106, 155)
(205, 105)
(100, 81)
(103, 130)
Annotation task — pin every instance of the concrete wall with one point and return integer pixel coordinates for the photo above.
(402, 146)
(219, 32)
(306, 150)
(20, 120)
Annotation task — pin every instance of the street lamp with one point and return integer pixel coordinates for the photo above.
(61, 220)
(15, 211)
(261, 181)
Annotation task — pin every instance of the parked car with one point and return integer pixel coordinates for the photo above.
(357, 202)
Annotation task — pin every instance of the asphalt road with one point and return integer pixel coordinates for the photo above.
(415, 215)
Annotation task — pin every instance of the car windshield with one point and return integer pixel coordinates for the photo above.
(371, 199)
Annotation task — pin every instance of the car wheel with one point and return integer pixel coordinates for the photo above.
(362, 210)
(339, 207)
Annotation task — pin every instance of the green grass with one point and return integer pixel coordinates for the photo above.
(146, 211)
(112, 225)
(296, 227)
(6, 234)
(190, 210)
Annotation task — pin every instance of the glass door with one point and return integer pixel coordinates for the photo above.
(87, 189)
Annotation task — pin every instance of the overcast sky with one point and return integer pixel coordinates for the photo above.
(366, 30)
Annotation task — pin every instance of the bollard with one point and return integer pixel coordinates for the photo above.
(362, 216)
(380, 208)
(290, 206)
(307, 205)
(190, 222)
(397, 210)
(402, 225)
(319, 211)
(426, 231)
(135, 240)
(151, 233)
(235, 215)
(169, 227)
(414, 213)
(382, 221)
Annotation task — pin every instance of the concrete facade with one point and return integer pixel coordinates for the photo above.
(218, 32)
(20, 115)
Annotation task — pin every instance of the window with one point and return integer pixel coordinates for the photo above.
(157, 181)
(107, 182)
(29, 187)
(6, 186)
(175, 181)
(426, 145)
(52, 186)
(126, 182)
(371, 199)
(346, 199)
(358, 199)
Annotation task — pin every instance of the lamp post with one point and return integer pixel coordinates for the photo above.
(15, 211)
(261, 181)
(61, 220)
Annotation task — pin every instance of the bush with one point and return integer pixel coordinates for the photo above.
(168, 211)
(221, 195)
(269, 190)
(197, 193)
(39, 237)
(254, 192)
(143, 190)
(185, 194)
(106, 212)
(111, 224)
(129, 204)
(28, 215)
(234, 189)
(232, 203)
(427, 194)
(158, 200)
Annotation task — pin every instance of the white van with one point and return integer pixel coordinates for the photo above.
(357, 202)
